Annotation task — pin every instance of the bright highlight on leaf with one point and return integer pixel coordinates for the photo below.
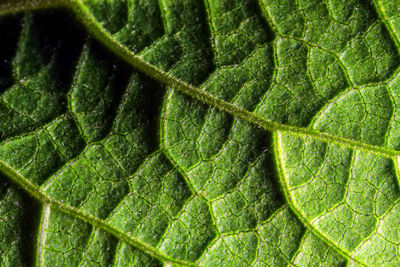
(199, 133)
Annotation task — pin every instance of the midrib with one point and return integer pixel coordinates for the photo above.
(92, 25)
(122, 52)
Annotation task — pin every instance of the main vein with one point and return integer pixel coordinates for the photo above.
(94, 27)
(124, 53)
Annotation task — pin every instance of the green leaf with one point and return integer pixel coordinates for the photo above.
(213, 133)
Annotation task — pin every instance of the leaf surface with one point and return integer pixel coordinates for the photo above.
(215, 133)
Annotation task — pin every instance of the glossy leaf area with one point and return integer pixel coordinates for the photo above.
(211, 133)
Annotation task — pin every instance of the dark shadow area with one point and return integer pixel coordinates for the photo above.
(22, 223)
(153, 95)
(204, 35)
(272, 182)
(255, 6)
(10, 28)
(60, 40)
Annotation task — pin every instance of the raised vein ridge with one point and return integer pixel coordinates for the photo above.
(35, 192)
(93, 26)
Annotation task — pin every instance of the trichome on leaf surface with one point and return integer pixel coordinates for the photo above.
(199, 133)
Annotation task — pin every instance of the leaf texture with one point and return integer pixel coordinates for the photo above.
(211, 133)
